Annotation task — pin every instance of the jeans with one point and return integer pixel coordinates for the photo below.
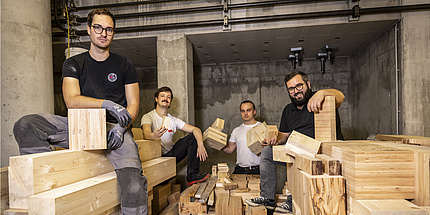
(268, 173)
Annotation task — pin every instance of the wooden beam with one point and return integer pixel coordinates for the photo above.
(272, 132)
(87, 129)
(137, 133)
(235, 205)
(298, 143)
(214, 138)
(201, 189)
(36, 173)
(280, 155)
(94, 195)
(331, 166)
(149, 149)
(172, 209)
(151, 169)
(209, 189)
(405, 139)
(160, 194)
(218, 124)
(308, 164)
(325, 120)
(386, 206)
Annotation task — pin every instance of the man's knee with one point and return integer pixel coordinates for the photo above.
(133, 186)
(32, 131)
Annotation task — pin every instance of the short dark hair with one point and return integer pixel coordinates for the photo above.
(247, 101)
(162, 89)
(291, 75)
(99, 11)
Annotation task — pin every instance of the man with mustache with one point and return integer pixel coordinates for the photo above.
(246, 161)
(190, 146)
(299, 116)
(97, 79)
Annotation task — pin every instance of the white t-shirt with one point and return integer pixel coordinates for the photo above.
(153, 119)
(245, 158)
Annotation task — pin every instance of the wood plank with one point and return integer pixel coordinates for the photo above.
(4, 189)
(405, 139)
(211, 199)
(137, 133)
(36, 173)
(331, 166)
(209, 189)
(324, 193)
(192, 208)
(387, 206)
(301, 144)
(218, 124)
(201, 189)
(309, 164)
(280, 155)
(151, 169)
(172, 209)
(257, 210)
(325, 120)
(149, 149)
(189, 192)
(160, 194)
(87, 129)
(220, 200)
(235, 205)
(272, 132)
(94, 195)
(174, 197)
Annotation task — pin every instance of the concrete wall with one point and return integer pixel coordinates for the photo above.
(220, 88)
(373, 83)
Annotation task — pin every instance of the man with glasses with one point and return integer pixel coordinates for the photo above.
(299, 116)
(97, 79)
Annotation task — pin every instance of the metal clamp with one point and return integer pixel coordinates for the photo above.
(226, 15)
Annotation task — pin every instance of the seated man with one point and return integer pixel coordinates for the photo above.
(190, 146)
(299, 116)
(246, 161)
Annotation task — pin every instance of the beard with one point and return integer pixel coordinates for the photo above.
(306, 96)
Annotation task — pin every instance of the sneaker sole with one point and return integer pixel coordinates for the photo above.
(197, 181)
(252, 204)
(279, 210)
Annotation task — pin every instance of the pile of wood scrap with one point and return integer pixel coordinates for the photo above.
(214, 137)
(78, 182)
(196, 198)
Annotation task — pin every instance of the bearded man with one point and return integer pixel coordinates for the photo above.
(299, 116)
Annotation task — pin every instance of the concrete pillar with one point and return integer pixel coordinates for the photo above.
(415, 87)
(175, 70)
(26, 66)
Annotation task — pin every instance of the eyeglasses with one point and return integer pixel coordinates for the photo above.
(99, 30)
(298, 87)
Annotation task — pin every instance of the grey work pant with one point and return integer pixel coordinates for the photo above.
(36, 133)
(268, 173)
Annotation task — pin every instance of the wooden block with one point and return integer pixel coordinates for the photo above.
(137, 133)
(331, 166)
(309, 164)
(260, 131)
(405, 139)
(253, 142)
(192, 208)
(248, 194)
(230, 186)
(227, 180)
(387, 206)
(160, 195)
(218, 124)
(272, 132)
(324, 193)
(280, 155)
(4, 189)
(174, 197)
(87, 129)
(151, 169)
(149, 149)
(36, 173)
(214, 170)
(238, 177)
(257, 210)
(188, 194)
(325, 120)
(12, 211)
(94, 195)
(176, 188)
(254, 185)
(171, 209)
(214, 138)
(166, 121)
(218, 205)
(298, 143)
(242, 184)
(234, 206)
(219, 191)
(296, 209)
(211, 199)
(201, 189)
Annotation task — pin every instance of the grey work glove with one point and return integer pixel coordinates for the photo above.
(119, 112)
(115, 137)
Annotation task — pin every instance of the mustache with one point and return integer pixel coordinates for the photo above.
(165, 100)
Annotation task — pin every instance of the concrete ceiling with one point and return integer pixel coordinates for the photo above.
(258, 45)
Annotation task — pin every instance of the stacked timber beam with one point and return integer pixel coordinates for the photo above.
(214, 137)
(79, 182)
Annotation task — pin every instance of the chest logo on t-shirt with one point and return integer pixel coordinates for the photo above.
(112, 77)
(170, 130)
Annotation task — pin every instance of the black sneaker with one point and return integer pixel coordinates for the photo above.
(286, 207)
(258, 201)
(196, 178)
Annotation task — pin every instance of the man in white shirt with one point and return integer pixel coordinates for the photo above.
(190, 146)
(246, 161)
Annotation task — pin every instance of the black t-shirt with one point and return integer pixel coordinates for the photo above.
(303, 121)
(102, 79)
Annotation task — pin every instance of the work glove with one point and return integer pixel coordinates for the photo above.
(115, 137)
(119, 112)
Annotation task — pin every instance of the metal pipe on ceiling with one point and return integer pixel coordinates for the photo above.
(219, 22)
